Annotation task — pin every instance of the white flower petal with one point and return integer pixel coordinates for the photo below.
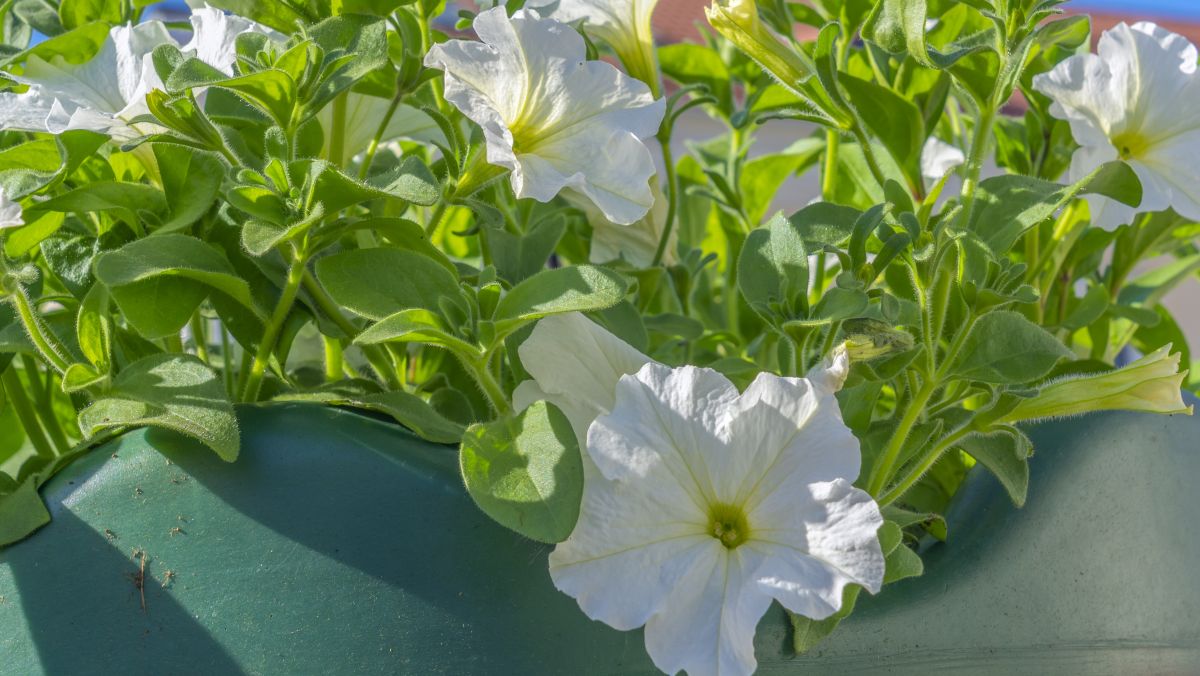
(554, 119)
(707, 626)
(214, 34)
(789, 433)
(576, 365)
(938, 158)
(827, 538)
(640, 542)
(635, 243)
(11, 214)
(103, 95)
(666, 422)
(1134, 100)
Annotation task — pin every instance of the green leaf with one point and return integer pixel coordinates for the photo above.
(415, 325)
(190, 180)
(900, 25)
(416, 414)
(1006, 455)
(125, 198)
(158, 282)
(407, 409)
(354, 46)
(282, 16)
(773, 270)
(762, 177)
(75, 13)
(21, 513)
(902, 563)
(410, 180)
(378, 283)
(891, 118)
(1006, 206)
(518, 257)
(580, 288)
(175, 391)
(21, 241)
(825, 224)
(526, 473)
(94, 327)
(693, 64)
(807, 633)
(1006, 348)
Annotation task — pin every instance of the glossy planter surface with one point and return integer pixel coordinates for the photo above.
(342, 544)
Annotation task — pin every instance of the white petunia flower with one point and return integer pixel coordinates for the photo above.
(108, 92)
(624, 24)
(939, 158)
(214, 34)
(552, 118)
(635, 243)
(1135, 100)
(11, 214)
(104, 95)
(575, 365)
(702, 505)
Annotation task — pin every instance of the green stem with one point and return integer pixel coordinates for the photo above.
(926, 463)
(227, 362)
(490, 386)
(44, 396)
(333, 359)
(337, 139)
(887, 462)
(664, 139)
(199, 336)
(868, 154)
(45, 341)
(436, 218)
(373, 148)
(258, 368)
(25, 413)
(833, 142)
(375, 354)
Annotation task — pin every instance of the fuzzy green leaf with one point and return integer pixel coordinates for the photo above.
(1006, 348)
(525, 472)
(175, 391)
(581, 288)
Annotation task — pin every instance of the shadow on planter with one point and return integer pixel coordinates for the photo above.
(341, 544)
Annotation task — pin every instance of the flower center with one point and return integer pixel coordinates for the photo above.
(1130, 145)
(728, 524)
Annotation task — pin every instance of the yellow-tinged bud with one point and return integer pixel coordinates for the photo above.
(738, 21)
(1152, 384)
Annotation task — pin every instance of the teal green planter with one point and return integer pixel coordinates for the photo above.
(342, 544)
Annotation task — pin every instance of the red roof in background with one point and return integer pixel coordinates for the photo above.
(675, 20)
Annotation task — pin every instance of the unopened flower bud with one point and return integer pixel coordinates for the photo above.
(1151, 384)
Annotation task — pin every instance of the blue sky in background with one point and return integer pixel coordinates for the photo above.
(1181, 9)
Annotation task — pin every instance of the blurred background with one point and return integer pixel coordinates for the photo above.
(677, 20)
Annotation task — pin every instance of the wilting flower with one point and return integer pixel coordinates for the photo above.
(11, 215)
(939, 158)
(635, 243)
(625, 25)
(1151, 384)
(552, 118)
(1134, 100)
(702, 505)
